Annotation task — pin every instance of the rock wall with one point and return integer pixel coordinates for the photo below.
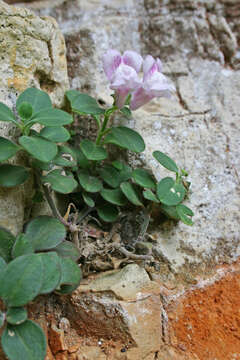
(32, 53)
(199, 128)
(188, 310)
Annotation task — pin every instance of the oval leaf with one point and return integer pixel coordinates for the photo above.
(21, 280)
(6, 243)
(143, 178)
(149, 195)
(3, 264)
(130, 193)
(115, 196)
(51, 272)
(22, 246)
(24, 342)
(65, 157)
(110, 175)
(83, 103)
(2, 318)
(55, 134)
(107, 212)
(71, 273)
(68, 249)
(169, 192)
(88, 182)
(125, 138)
(185, 214)
(6, 114)
(45, 232)
(41, 149)
(25, 110)
(7, 149)
(12, 175)
(170, 211)
(60, 183)
(82, 161)
(38, 99)
(16, 315)
(165, 161)
(88, 200)
(93, 151)
(52, 117)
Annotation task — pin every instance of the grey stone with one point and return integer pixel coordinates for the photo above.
(199, 127)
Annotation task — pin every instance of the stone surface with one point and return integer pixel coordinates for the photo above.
(32, 53)
(199, 127)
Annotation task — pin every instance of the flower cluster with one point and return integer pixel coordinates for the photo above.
(122, 73)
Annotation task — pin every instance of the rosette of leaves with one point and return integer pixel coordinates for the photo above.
(43, 147)
(35, 262)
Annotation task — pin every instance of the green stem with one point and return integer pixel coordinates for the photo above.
(103, 130)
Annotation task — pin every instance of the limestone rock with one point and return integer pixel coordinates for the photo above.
(199, 127)
(32, 54)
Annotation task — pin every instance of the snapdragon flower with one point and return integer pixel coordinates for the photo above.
(122, 73)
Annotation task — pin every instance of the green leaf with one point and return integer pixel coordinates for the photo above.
(82, 161)
(38, 99)
(107, 212)
(16, 315)
(110, 175)
(169, 192)
(37, 164)
(6, 243)
(52, 272)
(7, 149)
(21, 281)
(6, 114)
(170, 211)
(149, 195)
(22, 246)
(38, 197)
(89, 183)
(131, 193)
(60, 183)
(69, 250)
(65, 157)
(3, 265)
(88, 200)
(71, 273)
(125, 138)
(93, 151)
(2, 318)
(24, 342)
(125, 170)
(165, 161)
(55, 134)
(143, 178)
(83, 103)
(126, 112)
(115, 196)
(45, 232)
(12, 175)
(52, 117)
(25, 110)
(185, 213)
(41, 149)
(67, 289)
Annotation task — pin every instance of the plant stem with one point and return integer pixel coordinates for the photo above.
(53, 206)
(103, 130)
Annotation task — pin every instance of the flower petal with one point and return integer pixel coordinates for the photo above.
(111, 61)
(139, 98)
(121, 96)
(148, 64)
(158, 85)
(133, 59)
(125, 78)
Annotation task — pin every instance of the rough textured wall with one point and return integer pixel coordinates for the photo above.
(32, 53)
(191, 304)
(198, 43)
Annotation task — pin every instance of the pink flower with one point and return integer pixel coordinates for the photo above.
(154, 84)
(122, 72)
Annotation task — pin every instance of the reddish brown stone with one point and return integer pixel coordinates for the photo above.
(206, 321)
